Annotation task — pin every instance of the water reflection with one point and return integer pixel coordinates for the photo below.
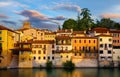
(84, 72)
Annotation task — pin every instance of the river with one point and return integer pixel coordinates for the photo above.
(83, 72)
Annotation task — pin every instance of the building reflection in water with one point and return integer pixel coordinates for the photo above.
(83, 72)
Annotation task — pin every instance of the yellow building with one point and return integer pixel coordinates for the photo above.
(85, 45)
(50, 36)
(7, 40)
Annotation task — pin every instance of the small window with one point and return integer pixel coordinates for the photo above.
(39, 51)
(0, 44)
(39, 58)
(109, 52)
(34, 58)
(61, 56)
(44, 58)
(75, 54)
(0, 61)
(48, 57)
(0, 32)
(34, 51)
(84, 41)
(66, 56)
(53, 46)
(75, 41)
(101, 51)
(79, 54)
(53, 57)
(101, 45)
(44, 52)
(75, 48)
(110, 39)
(0, 38)
(94, 41)
(100, 39)
(53, 52)
(110, 45)
(89, 41)
(79, 41)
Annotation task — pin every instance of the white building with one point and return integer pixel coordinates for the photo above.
(105, 50)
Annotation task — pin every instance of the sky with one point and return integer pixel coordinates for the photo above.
(48, 14)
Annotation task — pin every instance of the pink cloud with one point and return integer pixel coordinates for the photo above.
(110, 15)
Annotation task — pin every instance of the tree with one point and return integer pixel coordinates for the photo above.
(69, 64)
(49, 64)
(86, 21)
(70, 24)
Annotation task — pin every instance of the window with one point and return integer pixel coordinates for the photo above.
(94, 41)
(75, 41)
(0, 32)
(80, 54)
(89, 48)
(39, 51)
(79, 41)
(44, 46)
(109, 57)
(110, 45)
(75, 54)
(53, 46)
(39, 46)
(44, 52)
(75, 48)
(44, 58)
(0, 38)
(84, 41)
(48, 57)
(0, 44)
(66, 56)
(61, 56)
(34, 58)
(118, 41)
(66, 48)
(39, 58)
(110, 39)
(100, 39)
(101, 51)
(53, 57)
(109, 51)
(105, 46)
(0, 61)
(101, 45)
(79, 48)
(89, 41)
(94, 48)
(34, 51)
(53, 52)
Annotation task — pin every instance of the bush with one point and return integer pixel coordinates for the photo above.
(68, 64)
(49, 64)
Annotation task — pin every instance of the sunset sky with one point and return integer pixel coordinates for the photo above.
(50, 13)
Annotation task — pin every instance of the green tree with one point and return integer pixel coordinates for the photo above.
(49, 64)
(70, 24)
(68, 64)
(86, 21)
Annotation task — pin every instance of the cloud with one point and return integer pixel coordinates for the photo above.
(9, 22)
(4, 16)
(58, 18)
(12, 4)
(68, 7)
(40, 20)
(110, 15)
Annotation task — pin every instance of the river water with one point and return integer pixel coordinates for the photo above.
(83, 72)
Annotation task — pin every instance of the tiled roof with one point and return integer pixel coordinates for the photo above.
(65, 31)
(85, 37)
(100, 30)
(114, 31)
(63, 37)
(78, 32)
(51, 33)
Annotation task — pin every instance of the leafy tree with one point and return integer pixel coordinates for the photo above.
(70, 24)
(86, 21)
(69, 64)
(49, 64)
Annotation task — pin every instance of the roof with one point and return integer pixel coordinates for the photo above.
(114, 31)
(5, 28)
(104, 35)
(63, 37)
(100, 30)
(65, 31)
(38, 41)
(78, 32)
(84, 37)
(51, 33)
